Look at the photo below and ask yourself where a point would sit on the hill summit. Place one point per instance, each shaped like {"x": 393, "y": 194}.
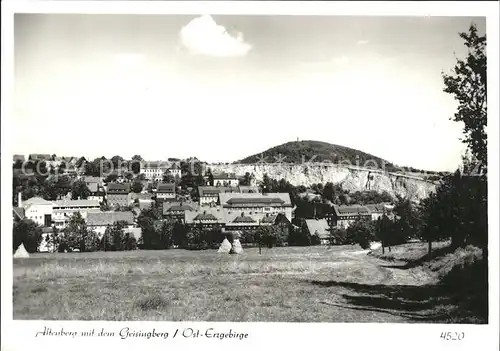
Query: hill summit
{"x": 297, "y": 152}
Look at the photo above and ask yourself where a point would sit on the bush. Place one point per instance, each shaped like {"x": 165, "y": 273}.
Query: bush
{"x": 129, "y": 242}
{"x": 115, "y": 239}
{"x": 248, "y": 237}
{"x": 28, "y": 233}
{"x": 465, "y": 273}
{"x": 299, "y": 237}
{"x": 338, "y": 236}
{"x": 315, "y": 240}
{"x": 92, "y": 242}
{"x": 362, "y": 232}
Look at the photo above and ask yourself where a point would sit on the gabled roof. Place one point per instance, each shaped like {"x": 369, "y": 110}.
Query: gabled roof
{"x": 377, "y": 208}
{"x": 255, "y": 199}
{"x": 351, "y": 210}
{"x": 205, "y": 217}
{"x": 76, "y": 203}
{"x": 45, "y": 157}
{"x": 175, "y": 208}
{"x": 318, "y": 227}
{"x": 268, "y": 219}
{"x": 174, "y": 166}
{"x": 109, "y": 218}
{"x": 169, "y": 207}
{"x": 118, "y": 188}
{"x": 35, "y": 201}
{"x": 90, "y": 179}
{"x": 154, "y": 165}
{"x": 189, "y": 216}
{"x": 18, "y": 212}
{"x": 244, "y": 219}
{"x": 165, "y": 188}
{"x": 215, "y": 190}
{"x": 224, "y": 176}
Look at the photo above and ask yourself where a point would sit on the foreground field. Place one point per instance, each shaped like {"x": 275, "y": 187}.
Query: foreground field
{"x": 310, "y": 284}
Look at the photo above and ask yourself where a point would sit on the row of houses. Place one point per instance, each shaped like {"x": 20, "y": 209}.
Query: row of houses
{"x": 234, "y": 210}
{"x": 46, "y": 158}
{"x": 69, "y": 162}
{"x": 50, "y": 214}
{"x": 157, "y": 169}
{"x": 343, "y": 216}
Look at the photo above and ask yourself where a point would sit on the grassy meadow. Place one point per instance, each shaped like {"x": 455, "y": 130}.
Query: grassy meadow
{"x": 290, "y": 284}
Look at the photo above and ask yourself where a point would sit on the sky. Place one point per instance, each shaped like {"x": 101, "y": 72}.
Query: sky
{"x": 221, "y": 88}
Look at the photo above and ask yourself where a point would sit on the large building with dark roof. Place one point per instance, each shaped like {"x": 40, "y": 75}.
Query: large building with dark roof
{"x": 118, "y": 194}
{"x": 209, "y": 195}
{"x": 63, "y": 210}
{"x": 154, "y": 170}
{"x": 343, "y": 216}
{"x": 225, "y": 179}
{"x": 206, "y": 217}
{"x": 100, "y": 221}
{"x": 165, "y": 191}
{"x": 256, "y": 205}
{"x": 177, "y": 209}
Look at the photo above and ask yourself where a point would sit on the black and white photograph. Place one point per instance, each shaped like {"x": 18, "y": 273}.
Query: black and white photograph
{"x": 250, "y": 168}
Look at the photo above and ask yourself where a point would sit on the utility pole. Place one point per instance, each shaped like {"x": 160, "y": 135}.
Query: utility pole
{"x": 259, "y": 238}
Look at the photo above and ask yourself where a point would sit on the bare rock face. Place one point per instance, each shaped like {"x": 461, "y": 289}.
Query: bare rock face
{"x": 236, "y": 249}
{"x": 225, "y": 246}
{"x": 349, "y": 177}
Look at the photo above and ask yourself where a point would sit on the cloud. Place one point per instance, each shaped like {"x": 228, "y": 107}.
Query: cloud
{"x": 362, "y": 42}
{"x": 203, "y": 36}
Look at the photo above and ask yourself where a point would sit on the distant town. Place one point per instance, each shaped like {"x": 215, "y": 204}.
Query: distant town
{"x": 50, "y": 190}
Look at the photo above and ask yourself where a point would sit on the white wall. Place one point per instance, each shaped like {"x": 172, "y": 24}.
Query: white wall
{"x": 37, "y": 213}
{"x": 165, "y": 195}
{"x": 207, "y": 200}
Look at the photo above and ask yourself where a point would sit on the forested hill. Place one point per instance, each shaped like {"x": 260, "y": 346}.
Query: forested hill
{"x": 297, "y": 152}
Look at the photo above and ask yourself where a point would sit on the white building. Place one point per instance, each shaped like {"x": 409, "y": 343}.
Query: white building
{"x": 225, "y": 179}
{"x": 209, "y": 195}
{"x": 154, "y": 170}
{"x": 165, "y": 191}
{"x": 98, "y": 196}
{"x": 175, "y": 170}
{"x": 63, "y": 210}
{"x": 256, "y": 205}
{"x": 99, "y": 221}
{"x": 38, "y": 210}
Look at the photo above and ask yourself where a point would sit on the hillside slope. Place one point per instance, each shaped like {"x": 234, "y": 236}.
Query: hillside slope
{"x": 350, "y": 178}
{"x": 298, "y": 152}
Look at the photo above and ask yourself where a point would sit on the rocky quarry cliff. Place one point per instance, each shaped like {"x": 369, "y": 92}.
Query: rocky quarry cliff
{"x": 349, "y": 177}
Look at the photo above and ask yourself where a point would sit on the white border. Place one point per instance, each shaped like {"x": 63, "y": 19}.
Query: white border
{"x": 18, "y": 335}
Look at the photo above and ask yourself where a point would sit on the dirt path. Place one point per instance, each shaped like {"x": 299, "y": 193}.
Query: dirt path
{"x": 382, "y": 292}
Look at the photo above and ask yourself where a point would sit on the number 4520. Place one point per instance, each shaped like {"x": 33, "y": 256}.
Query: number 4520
{"x": 452, "y": 336}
